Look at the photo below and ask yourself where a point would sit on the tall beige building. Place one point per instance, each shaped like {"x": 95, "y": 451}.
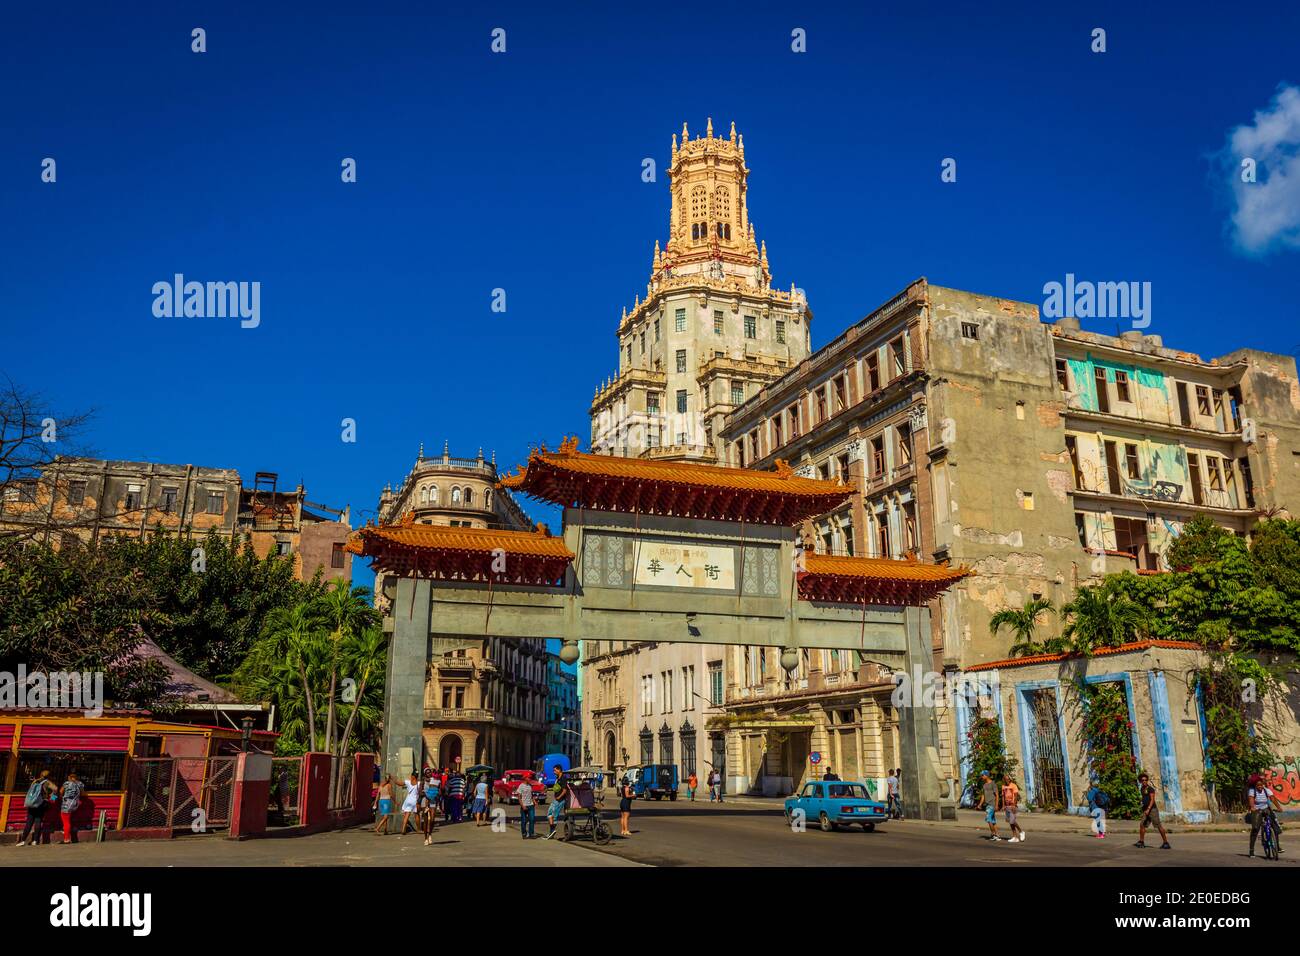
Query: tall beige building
{"x": 709, "y": 334}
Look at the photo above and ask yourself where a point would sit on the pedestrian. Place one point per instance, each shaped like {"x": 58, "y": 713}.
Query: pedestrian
{"x": 989, "y": 802}
{"x": 39, "y": 795}
{"x": 625, "y": 807}
{"x": 384, "y": 805}
{"x": 1261, "y": 801}
{"x": 692, "y": 782}
{"x": 455, "y": 795}
{"x": 830, "y": 774}
{"x": 410, "y": 802}
{"x": 1150, "y": 813}
{"x": 1098, "y": 804}
{"x": 478, "y": 810}
{"x": 1010, "y": 804}
{"x": 710, "y": 781}
{"x": 527, "y": 811}
{"x": 892, "y": 806}
{"x": 432, "y": 794}
{"x": 70, "y": 793}
{"x": 559, "y": 796}
{"x": 281, "y": 791}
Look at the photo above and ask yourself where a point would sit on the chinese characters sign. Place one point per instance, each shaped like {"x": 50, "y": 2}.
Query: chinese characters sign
{"x": 685, "y": 566}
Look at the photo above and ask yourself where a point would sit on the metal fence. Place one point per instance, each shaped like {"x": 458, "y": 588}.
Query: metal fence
{"x": 179, "y": 793}
{"x": 342, "y": 772}
{"x": 285, "y": 809}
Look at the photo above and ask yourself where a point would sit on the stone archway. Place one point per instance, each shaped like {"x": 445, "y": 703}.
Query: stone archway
{"x": 449, "y": 748}
{"x": 611, "y": 750}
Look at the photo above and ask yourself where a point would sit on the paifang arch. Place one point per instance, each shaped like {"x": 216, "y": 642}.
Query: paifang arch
{"x": 655, "y": 551}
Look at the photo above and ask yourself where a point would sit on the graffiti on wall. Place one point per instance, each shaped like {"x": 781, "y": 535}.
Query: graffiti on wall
{"x": 1284, "y": 780}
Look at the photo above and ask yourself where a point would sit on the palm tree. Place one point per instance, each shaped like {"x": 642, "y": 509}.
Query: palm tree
{"x": 1022, "y": 623}
{"x": 291, "y": 637}
{"x": 347, "y": 613}
{"x": 364, "y": 656}
{"x": 1103, "y": 616}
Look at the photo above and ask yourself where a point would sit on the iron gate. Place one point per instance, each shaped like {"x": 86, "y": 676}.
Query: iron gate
{"x": 286, "y": 790}
{"x": 180, "y": 793}
{"x": 1047, "y": 757}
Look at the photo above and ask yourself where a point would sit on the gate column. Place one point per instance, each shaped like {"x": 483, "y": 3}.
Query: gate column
{"x": 918, "y": 737}
{"x": 251, "y": 795}
{"x": 408, "y": 661}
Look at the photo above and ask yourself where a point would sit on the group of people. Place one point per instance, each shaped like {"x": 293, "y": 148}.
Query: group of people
{"x": 441, "y": 792}
{"x": 40, "y": 795}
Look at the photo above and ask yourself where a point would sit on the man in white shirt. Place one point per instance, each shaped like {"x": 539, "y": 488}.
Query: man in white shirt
{"x": 527, "y": 811}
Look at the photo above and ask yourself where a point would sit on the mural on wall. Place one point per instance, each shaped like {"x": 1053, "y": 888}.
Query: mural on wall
{"x": 1148, "y": 391}
{"x": 1162, "y": 472}
{"x": 1284, "y": 780}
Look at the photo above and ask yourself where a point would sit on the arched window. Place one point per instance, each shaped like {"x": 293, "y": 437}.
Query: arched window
{"x": 699, "y": 203}
{"x": 722, "y": 204}
{"x": 695, "y": 230}
{"x": 469, "y": 496}
{"x": 424, "y": 495}
{"x": 455, "y": 496}
{"x": 433, "y": 494}
{"x": 487, "y": 499}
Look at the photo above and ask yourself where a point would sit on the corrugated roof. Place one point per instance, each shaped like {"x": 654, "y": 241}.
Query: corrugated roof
{"x": 1100, "y": 652}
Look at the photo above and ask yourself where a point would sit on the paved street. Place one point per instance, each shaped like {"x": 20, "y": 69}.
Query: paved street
{"x": 738, "y": 833}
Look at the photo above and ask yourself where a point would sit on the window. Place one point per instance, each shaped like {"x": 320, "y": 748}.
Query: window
{"x": 76, "y": 493}
{"x": 688, "y": 687}
{"x": 133, "y": 498}
{"x": 751, "y": 327}
{"x": 905, "y": 444}
{"x": 1215, "y": 472}
{"x": 98, "y": 771}
{"x": 819, "y": 403}
{"x": 629, "y": 351}
{"x": 680, "y": 320}
{"x": 455, "y": 496}
{"x": 1072, "y": 446}
{"x": 665, "y": 744}
{"x": 1063, "y": 375}
{"x": 667, "y": 682}
{"x": 1131, "y": 461}
{"x": 877, "y": 456}
{"x": 1103, "y": 389}
{"x": 737, "y": 392}
{"x": 688, "y": 749}
{"x": 656, "y": 330}
{"x": 643, "y": 343}
{"x": 841, "y": 393}
{"x": 27, "y": 490}
{"x": 715, "y": 683}
{"x": 970, "y": 330}
{"x": 717, "y": 322}
{"x": 681, "y": 401}
{"x": 1202, "y": 399}
{"x": 900, "y": 360}
{"x": 780, "y": 331}
{"x": 168, "y": 502}
{"x": 336, "y": 555}
{"x": 1194, "y": 473}
{"x": 1248, "y": 485}
{"x": 652, "y": 403}
{"x": 753, "y": 445}
{"x": 433, "y": 495}
{"x": 681, "y": 360}
{"x": 469, "y": 496}
{"x": 647, "y": 746}
{"x": 1131, "y": 538}
{"x": 793, "y": 412}
{"x": 283, "y": 548}
{"x": 909, "y": 527}
{"x": 1112, "y": 469}
{"x": 777, "y": 441}
{"x": 1121, "y": 385}
{"x": 1081, "y": 529}
{"x": 873, "y": 372}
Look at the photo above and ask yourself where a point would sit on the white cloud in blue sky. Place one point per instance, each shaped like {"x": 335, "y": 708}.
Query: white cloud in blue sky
{"x": 1266, "y": 213}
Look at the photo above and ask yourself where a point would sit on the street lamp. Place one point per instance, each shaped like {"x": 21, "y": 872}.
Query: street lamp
{"x": 247, "y": 723}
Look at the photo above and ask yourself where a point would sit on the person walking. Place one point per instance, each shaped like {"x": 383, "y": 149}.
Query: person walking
{"x": 692, "y": 782}
{"x": 39, "y": 796}
{"x": 559, "y": 797}
{"x": 1098, "y": 804}
{"x": 384, "y": 805}
{"x": 1150, "y": 814}
{"x": 1261, "y": 800}
{"x": 455, "y": 795}
{"x": 989, "y": 803}
{"x": 830, "y": 774}
{"x": 1010, "y": 804}
{"x": 432, "y": 796}
{"x": 527, "y": 809}
{"x": 892, "y": 806}
{"x": 410, "y": 802}
{"x": 478, "y": 810}
{"x": 625, "y": 808}
{"x": 70, "y": 794}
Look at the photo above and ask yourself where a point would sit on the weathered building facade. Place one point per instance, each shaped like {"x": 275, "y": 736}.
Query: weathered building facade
{"x": 1039, "y": 456}
{"x": 83, "y": 499}
{"x": 563, "y": 716}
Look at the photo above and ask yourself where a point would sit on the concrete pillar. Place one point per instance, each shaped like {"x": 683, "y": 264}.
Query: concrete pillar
{"x": 315, "y": 790}
{"x": 251, "y": 797}
{"x": 408, "y": 660}
{"x": 918, "y": 739}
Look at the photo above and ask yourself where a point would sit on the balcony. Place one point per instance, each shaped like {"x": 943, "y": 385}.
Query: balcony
{"x": 671, "y": 452}
{"x": 458, "y": 714}
{"x": 450, "y": 662}
{"x": 1077, "y": 412}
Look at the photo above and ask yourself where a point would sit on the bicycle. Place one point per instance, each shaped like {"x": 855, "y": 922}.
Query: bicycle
{"x": 1268, "y": 837}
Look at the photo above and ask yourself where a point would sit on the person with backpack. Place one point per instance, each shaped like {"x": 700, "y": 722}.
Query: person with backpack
{"x": 70, "y": 794}
{"x": 1098, "y": 804}
{"x": 39, "y": 796}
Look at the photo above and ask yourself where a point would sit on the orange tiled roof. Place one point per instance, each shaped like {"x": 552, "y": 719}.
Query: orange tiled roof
{"x": 1100, "y": 652}
{"x": 572, "y": 478}
{"x": 440, "y": 551}
{"x": 843, "y": 579}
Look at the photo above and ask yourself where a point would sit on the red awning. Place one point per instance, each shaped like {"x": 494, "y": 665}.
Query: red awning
{"x": 6, "y": 736}
{"x": 76, "y": 737}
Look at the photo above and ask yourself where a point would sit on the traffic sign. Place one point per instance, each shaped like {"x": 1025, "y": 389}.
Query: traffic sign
{"x": 815, "y": 757}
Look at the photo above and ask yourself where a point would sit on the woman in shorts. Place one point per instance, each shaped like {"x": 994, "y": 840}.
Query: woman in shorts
{"x": 384, "y": 804}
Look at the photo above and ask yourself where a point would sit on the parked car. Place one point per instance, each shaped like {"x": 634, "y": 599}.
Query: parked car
{"x": 655, "y": 780}
{"x": 836, "y": 803}
{"x": 504, "y": 789}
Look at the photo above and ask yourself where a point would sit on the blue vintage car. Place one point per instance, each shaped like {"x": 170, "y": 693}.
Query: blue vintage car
{"x": 831, "y": 803}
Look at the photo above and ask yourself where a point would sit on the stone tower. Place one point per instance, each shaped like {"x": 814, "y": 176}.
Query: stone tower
{"x": 710, "y": 330}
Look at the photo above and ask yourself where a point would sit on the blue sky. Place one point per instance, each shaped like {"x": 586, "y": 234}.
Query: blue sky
{"x": 522, "y": 171}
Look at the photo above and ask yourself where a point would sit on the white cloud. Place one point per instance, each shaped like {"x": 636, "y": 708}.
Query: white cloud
{"x": 1266, "y": 213}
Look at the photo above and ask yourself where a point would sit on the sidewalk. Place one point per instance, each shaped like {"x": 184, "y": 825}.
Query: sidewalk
{"x": 1048, "y": 822}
